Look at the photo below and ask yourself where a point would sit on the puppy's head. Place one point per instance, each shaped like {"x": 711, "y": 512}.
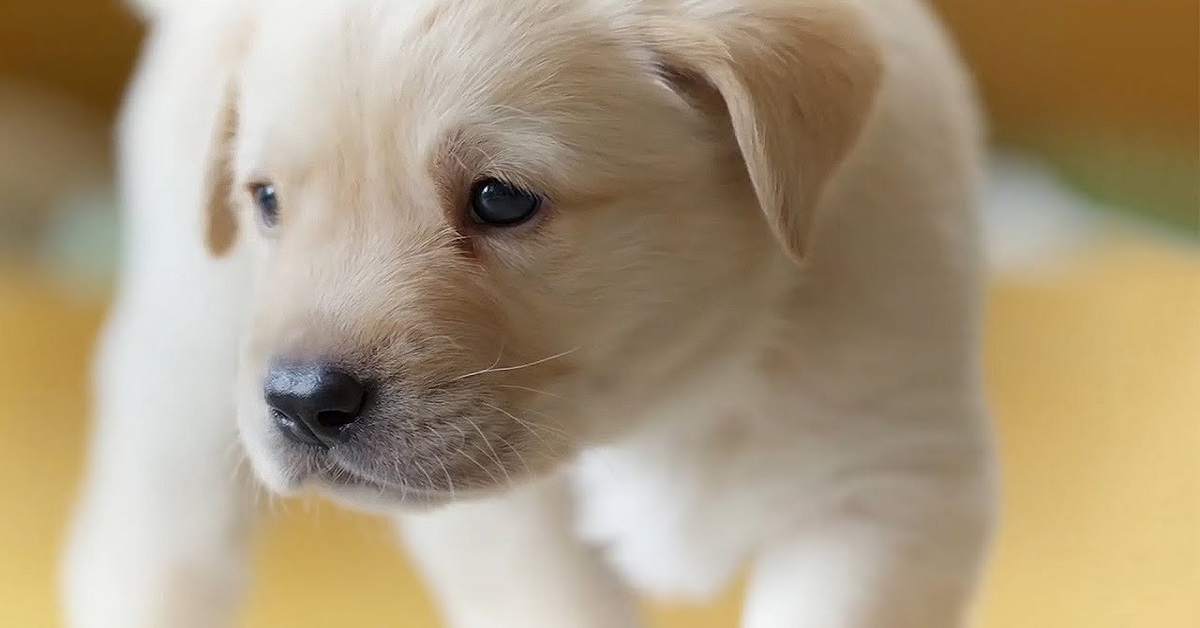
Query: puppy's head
{"x": 477, "y": 221}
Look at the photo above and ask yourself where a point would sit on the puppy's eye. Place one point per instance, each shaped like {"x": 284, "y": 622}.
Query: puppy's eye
{"x": 266, "y": 199}
{"x": 501, "y": 204}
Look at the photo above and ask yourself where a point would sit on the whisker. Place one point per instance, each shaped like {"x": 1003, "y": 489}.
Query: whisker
{"x": 531, "y": 427}
{"x": 524, "y": 424}
{"x": 462, "y": 441}
{"x": 398, "y": 473}
{"x": 504, "y": 443}
{"x": 551, "y": 428}
{"x": 482, "y": 371}
{"x": 495, "y": 455}
{"x": 449, "y": 480}
{"x": 428, "y": 478}
{"x": 492, "y": 476}
{"x": 494, "y": 369}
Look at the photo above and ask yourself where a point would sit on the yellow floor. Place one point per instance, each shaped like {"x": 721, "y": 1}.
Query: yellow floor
{"x": 1096, "y": 378}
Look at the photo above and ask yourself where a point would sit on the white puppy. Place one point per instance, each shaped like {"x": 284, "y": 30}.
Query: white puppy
{"x": 695, "y": 282}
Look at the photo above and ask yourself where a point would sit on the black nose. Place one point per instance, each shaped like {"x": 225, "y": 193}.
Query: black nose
{"x": 312, "y": 402}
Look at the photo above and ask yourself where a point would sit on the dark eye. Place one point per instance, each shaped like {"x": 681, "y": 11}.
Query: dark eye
{"x": 497, "y": 203}
{"x": 267, "y": 201}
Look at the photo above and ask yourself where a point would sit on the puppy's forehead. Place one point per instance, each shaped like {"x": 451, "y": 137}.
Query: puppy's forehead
{"x": 416, "y": 67}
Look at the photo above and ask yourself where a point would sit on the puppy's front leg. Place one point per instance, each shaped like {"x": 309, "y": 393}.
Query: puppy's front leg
{"x": 854, "y": 572}
{"x": 159, "y": 528}
{"x": 514, "y": 562}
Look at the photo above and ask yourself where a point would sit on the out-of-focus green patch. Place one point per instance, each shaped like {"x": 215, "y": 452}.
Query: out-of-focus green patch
{"x": 1148, "y": 179}
{"x": 75, "y": 244}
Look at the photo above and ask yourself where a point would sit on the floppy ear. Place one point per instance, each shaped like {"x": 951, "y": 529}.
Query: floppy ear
{"x": 798, "y": 79}
{"x": 220, "y": 223}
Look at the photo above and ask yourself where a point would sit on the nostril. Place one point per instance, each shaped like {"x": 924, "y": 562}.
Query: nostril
{"x": 335, "y": 419}
{"x": 313, "y": 402}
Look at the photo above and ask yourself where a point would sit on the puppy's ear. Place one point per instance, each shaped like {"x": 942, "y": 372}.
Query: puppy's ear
{"x": 220, "y": 223}
{"x": 798, "y": 79}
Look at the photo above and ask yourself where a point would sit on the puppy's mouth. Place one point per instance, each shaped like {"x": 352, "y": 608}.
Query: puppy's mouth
{"x": 315, "y": 467}
{"x": 387, "y": 463}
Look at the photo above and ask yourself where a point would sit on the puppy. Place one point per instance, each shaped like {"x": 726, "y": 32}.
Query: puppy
{"x": 693, "y": 282}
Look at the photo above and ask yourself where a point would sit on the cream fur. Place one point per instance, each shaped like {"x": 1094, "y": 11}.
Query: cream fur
{"x": 743, "y": 333}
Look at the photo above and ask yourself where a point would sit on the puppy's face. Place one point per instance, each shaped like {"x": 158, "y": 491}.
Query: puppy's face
{"x": 475, "y": 221}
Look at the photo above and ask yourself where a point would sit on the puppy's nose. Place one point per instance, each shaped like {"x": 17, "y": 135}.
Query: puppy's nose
{"x": 313, "y": 402}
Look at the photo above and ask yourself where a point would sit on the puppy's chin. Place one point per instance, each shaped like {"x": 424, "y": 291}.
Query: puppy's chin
{"x": 288, "y": 470}
{"x": 382, "y": 500}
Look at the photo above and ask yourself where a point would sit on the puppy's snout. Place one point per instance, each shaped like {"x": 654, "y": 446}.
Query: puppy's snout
{"x": 313, "y": 403}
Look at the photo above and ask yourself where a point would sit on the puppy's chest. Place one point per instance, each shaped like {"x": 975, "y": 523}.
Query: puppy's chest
{"x": 679, "y": 508}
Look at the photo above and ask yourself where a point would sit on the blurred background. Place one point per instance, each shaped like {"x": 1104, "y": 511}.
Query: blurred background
{"x": 1093, "y": 330}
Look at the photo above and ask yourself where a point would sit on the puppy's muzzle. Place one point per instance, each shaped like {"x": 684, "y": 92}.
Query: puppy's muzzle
{"x": 313, "y": 403}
